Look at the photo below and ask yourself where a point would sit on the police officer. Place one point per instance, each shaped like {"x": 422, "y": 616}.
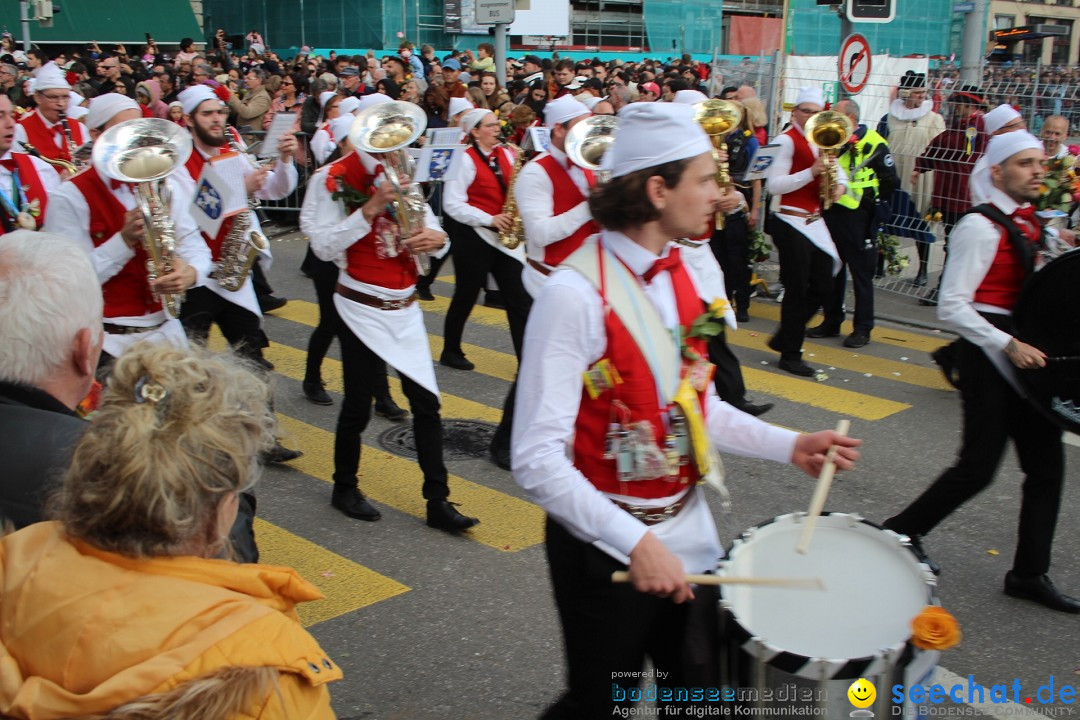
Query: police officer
{"x": 853, "y": 222}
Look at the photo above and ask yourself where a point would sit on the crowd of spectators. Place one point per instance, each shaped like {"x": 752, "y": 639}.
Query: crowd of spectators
{"x": 1035, "y": 91}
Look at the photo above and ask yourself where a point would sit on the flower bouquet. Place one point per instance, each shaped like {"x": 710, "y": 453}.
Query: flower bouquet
{"x": 1061, "y": 186}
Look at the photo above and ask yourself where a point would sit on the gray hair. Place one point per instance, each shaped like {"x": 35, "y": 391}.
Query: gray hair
{"x": 49, "y": 291}
{"x": 11, "y": 69}
{"x": 847, "y": 107}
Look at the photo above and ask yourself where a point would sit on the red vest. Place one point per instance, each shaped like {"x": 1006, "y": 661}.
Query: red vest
{"x": 485, "y": 192}
{"x": 1001, "y": 285}
{"x": 566, "y": 196}
{"x": 29, "y": 179}
{"x": 127, "y": 293}
{"x": 44, "y": 139}
{"x": 638, "y": 393}
{"x": 808, "y": 197}
{"x": 364, "y": 262}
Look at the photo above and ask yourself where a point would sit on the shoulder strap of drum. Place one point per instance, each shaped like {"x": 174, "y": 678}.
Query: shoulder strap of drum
{"x": 1021, "y": 245}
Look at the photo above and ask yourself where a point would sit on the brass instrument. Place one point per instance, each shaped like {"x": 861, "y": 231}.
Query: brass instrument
{"x": 385, "y": 130}
{"x": 513, "y": 237}
{"x": 69, "y": 168}
{"x": 829, "y": 131}
{"x": 588, "y": 140}
{"x": 718, "y": 118}
{"x": 145, "y": 152}
{"x": 241, "y": 246}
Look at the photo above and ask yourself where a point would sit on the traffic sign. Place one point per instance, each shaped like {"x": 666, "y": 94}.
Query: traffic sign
{"x": 963, "y": 7}
{"x": 853, "y": 63}
{"x": 494, "y": 12}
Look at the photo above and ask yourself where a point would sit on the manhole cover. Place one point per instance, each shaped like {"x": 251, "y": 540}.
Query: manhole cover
{"x": 462, "y": 439}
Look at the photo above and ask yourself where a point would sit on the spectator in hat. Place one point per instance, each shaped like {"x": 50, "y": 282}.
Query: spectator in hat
{"x": 648, "y": 92}
{"x": 451, "y": 72}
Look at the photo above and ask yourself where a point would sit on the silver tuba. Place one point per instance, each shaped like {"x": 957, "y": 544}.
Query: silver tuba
{"x": 385, "y": 130}
{"x": 145, "y": 152}
{"x": 588, "y": 140}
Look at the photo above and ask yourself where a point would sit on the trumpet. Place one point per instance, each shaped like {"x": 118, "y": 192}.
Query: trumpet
{"x": 829, "y": 131}
{"x": 588, "y": 140}
{"x": 145, "y": 152}
{"x": 718, "y": 118}
{"x": 386, "y": 130}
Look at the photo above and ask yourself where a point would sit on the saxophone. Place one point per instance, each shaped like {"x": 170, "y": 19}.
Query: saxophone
{"x": 241, "y": 246}
{"x": 513, "y": 237}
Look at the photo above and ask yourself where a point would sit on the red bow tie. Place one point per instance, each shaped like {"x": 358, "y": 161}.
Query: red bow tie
{"x": 116, "y": 184}
{"x": 58, "y": 129}
{"x": 672, "y": 261}
{"x": 9, "y": 164}
{"x": 1025, "y": 213}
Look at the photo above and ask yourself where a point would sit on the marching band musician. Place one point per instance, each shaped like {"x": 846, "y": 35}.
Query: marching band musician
{"x": 808, "y": 258}
{"x": 376, "y": 299}
{"x": 43, "y": 128}
{"x": 25, "y": 181}
{"x": 602, "y": 375}
{"x": 101, "y": 214}
{"x": 553, "y": 198}
{"x": 322, "y": 143}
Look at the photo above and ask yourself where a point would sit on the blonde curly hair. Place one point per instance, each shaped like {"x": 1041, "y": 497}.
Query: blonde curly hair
{"x": 177, "y": 431}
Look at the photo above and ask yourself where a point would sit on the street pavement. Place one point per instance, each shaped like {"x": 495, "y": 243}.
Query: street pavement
{"x": 428, "y": 625}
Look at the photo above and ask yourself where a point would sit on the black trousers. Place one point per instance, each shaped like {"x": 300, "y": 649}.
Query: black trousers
{"x": 474, "y": 259}
{"x": 362, "y": 368}
{"x": 806, "y": 274}
{"x": 203, "y": 307}
{"x": 727, "y": 377}
{"x": 854, "y": 233}
{"x": 731, "y": 246}
{"x": 609, "y": 628}
{"x": 993, "y": 413}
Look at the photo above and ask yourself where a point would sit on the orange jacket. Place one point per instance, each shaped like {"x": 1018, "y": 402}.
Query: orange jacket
{"x": 83, "y": 630}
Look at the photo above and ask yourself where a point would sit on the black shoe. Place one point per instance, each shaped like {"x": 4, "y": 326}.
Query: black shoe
{"x": 930, "y": 299}
{"x": 822, "y": 331}
{"x": 455, "y": 360}
{"x": 796, "y": 367}
{"x": 915, "y": 542}
{"x": 316, "y": 393}
{"x": 493, "y": 299}
{"x": 424, "y": 293}
{"x": 279, "y": 454}
{"x": 442, "y": 515}
{"x": 264, "y": 362}
{"x": 351, "y": 502}
{"x": 742, "y": 316}
{"x": 945, "y": 357}
{"x": 856, "y": 340}
{"x": 919, "y": 280}
{"x": 1039, "y": 589}
{"x": 387, "y": 408}
{"x": 270, "y": 303}
{"x": 752, "y": 408}
{"x": 500, "y": 456}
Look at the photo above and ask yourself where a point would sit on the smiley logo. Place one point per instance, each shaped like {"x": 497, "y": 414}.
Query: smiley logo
{"x": 861, "y": 693}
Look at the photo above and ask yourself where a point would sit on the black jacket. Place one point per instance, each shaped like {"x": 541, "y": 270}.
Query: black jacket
{"x": 37, "y": 434}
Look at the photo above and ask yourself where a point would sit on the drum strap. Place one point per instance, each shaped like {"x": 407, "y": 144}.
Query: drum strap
{"x": 1023, "y": 246}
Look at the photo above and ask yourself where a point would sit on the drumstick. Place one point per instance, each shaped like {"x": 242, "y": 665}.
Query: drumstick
{"x": 623, "y": 576}
{"x": 817, "y": 502}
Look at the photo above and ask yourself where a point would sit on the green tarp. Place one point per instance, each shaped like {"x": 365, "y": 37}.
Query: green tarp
{"x": 108, "y": 21}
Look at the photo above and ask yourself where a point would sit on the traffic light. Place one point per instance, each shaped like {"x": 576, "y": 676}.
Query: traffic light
{"x": 871, "y": 11}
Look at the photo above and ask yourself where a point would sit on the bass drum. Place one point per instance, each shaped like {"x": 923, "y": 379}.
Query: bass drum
{"x": 1047, "y": 316}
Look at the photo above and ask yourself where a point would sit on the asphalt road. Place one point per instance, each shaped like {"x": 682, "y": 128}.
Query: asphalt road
{"x": 426, "y": 625}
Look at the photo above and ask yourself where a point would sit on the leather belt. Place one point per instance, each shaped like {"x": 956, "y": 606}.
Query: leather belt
{"x": 810, "y": 217}
{"x": 656, "y": 515}
{"x": 371, "y": 301}
{"x": 129, "y": 329}
{"x": 539, "y": 267}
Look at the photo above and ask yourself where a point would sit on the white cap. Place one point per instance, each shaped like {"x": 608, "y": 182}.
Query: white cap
{"x": 1002, "y": 147}
{"x": 105, "y": 107}
{"x": 75, "y": 100}
{"x": 473, "y": 118}
{"x": 50, "y": 77}
{"x": 689, "y": 97}
{"x": 999, "y": 117}
{"x": 811, "y": 96}
{"x": 563, "y": 110}
{"x": 652, "y": 134}
{"x": 324, "y": 97}
{"x": 194, "y": 96}
{"x": 587, "y": 100}
{"x": 458, "y": 105}
{"x": 349, "y": 105}
{"x": 373, "y": 100}
{"x": 340, "y": 126}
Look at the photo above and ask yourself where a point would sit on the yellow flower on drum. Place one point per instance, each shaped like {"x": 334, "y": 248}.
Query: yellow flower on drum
{"x": 935, "y": 629}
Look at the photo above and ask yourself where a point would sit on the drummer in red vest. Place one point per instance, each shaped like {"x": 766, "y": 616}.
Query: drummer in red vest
{"x": 25, "y": 181}
{"x": 608, "y": 403}
{"x": 808, "y": 258}
{"x": 100, "y": 214}
{"x": 47, "y": 129}
{"x": 346, "y": 215}
{"x": 992, "y": 251}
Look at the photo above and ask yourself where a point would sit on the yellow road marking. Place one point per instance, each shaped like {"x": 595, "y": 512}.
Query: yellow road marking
{"x": 925, "y": 342}
{"x": 347, "y": 586}
{"x": 506, "y": 522}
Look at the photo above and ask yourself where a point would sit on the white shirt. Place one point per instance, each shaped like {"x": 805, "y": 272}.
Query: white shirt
{"x": 321, "y": 146}
{"x": 20, "y": 135}
{"x": 564, "y": 337}
{"x": 50, "y": 180}
{"x": 456, "y": 204}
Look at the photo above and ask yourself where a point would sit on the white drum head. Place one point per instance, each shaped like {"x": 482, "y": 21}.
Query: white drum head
{"x": 874, "y": 588}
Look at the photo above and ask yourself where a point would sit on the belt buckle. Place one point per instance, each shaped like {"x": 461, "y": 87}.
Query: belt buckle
{"x": 395, "y": 304}
{"x": 813, "y": 217}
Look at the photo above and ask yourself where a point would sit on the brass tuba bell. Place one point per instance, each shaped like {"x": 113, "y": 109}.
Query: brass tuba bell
{"x": 588, "y": 140}
{"x": 829, "y": 131}
{"x": 718, "y": 118}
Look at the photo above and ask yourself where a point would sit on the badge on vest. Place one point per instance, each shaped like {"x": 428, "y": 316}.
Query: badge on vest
{"x": 637, "y": 454}
{"x": 600, "y": 378}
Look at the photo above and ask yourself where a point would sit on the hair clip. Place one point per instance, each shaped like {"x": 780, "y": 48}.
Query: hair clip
{"x": 147, "y": 389}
